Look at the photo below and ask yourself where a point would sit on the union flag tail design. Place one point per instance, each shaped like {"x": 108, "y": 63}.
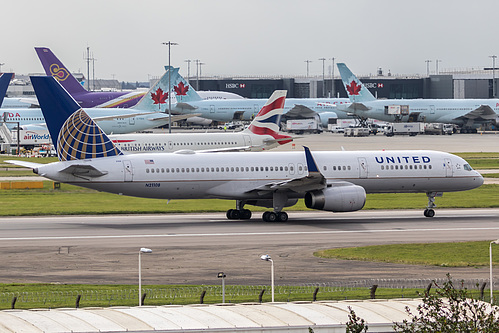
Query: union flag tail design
{"x": 267, "y": 120}
{"x": 356, "y": 91}
{"x": 74, "y": 134}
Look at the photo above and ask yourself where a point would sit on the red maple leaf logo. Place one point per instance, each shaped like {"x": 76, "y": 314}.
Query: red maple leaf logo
{"x": 181, "y": 89}
{"x": 353, "y": 88}
{"x": 159, "y": 97}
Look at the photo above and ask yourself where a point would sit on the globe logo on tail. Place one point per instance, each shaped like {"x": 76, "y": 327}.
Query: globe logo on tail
{"x": 81, "y": 138}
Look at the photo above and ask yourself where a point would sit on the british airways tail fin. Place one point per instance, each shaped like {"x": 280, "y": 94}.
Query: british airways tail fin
{"x": 356, "y": 91}
{"x": 74, "y": 134}
{"x": 184, "y": 92}
{"x": 4, "y": 85}
{"x": 268, "y": 118}
{"x": 54, "y": 67}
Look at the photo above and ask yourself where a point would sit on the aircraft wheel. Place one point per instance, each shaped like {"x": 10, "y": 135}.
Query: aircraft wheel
{"x": 229, "y": 214}
{"x": 269, "y": 217}
{"x": 235, "y": 214}
{"x": 282, "y": 217}
{"x": 245, "y": 214}
{"x": 429, "y": 212}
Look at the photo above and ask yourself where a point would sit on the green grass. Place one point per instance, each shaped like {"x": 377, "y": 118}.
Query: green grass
{"x": 456, "y": 254}
{"x": 490, "y": 175}
{"x": 31, "y": 296}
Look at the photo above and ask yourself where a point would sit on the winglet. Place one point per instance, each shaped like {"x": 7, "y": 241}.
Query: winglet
{"x": 74, "y": 134}
{"x": 311, "y": 165}
{"x": 4, "y": 85}
{"x": 356, "y": 91}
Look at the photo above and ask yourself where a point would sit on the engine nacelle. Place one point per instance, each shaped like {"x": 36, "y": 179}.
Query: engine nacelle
{"x": 337, "y": 199}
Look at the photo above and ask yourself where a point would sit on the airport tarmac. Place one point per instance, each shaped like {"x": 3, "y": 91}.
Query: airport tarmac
{"x": 193, "y": 248}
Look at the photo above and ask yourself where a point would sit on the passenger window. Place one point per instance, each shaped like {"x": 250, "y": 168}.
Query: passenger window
{"x": 147, "y": 170}
{"x": 152, "y": 170}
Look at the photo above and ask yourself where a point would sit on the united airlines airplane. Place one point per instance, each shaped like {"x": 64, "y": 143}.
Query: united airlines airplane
{"x": 469, "y": 114}
{"x": 188, "y": 101}
{"x": 327, "y": 180}
{"x": 262, "y": 134}
{"x": 148, "y": 113}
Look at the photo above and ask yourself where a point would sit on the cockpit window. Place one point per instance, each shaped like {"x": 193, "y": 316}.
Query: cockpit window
{"x": 467, "y": 167}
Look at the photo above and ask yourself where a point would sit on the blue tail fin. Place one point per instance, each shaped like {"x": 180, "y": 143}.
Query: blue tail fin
{"x": 4, "y": 85}
{"x": 356, "y": 91}
{"x": 74, "y": 134}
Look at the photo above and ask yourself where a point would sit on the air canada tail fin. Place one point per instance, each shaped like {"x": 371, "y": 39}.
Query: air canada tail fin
{"x": 54, "y": 67}
{"x": 268, "y": 118}
{"x": 4, "y": 85}
{"x": 184, "y": 92}
{"x": 156, "y": 99}
{"x": 74, "y": 134}
{"x": 356, "y": 91}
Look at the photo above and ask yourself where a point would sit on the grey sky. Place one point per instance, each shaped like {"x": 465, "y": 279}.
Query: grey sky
{"x": 253, "y": 37}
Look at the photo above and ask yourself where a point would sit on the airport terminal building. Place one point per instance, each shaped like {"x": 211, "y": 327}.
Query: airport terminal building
{"x": 455, "y": 84}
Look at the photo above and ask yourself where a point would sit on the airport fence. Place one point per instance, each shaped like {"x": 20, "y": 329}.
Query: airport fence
{"x": 363, "y": 289}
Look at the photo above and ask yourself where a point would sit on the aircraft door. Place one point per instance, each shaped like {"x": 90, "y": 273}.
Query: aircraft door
{"x": 212, "y": 108}
{"x": 363, "y": 169}
{"x": 432, "y": 109}
{"x": 291, "y": 168}
{"x": 127, "y": 171}
{"x": 170, "y": 145}
{"x": 247, "y": 140}
{"x": 448, "y": 168}
{"x": 131, "y": 120}
{"x": 300, "y": 168}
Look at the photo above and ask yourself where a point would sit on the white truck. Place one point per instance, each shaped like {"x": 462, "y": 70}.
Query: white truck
{"x": 410, "y": 129}
{"x": 31, "y": 138}
{"x": 300, "y": 126}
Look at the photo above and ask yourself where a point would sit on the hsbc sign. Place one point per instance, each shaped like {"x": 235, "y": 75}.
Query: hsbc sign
{"x": 235, "y": 85}
{"x": 374, "y": 85}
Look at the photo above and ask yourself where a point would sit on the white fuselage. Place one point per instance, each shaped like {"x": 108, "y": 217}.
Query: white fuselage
{"x": 427, "y": 110}
{"x": 247, "y": 109}
{"x": 242, "y": 175}
{"x": 171, "y": 142}
{"x": 118, "y": 125}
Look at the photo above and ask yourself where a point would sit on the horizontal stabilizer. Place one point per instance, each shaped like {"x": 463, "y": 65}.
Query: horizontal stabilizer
{"x": 185, "y": 106}
{"x": 30, "y": 165}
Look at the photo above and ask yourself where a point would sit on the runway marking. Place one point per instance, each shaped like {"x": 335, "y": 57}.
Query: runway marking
{"x": 243, "y": 234}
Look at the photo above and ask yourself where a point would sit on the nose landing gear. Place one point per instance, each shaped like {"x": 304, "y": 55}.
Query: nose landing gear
{"x": 429, "y": 212}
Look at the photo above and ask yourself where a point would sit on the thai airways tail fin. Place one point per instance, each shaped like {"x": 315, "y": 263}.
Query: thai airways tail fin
{"x": 54, "y": 67}
{"x": 184, "y": 92}
{"x": 4, "y": 85}
{"x": 268, "y": 118}
{"x": 74, "y": 134}
{"x": 356, "y": 91}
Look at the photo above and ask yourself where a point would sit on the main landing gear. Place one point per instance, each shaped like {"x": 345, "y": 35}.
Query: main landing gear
{"x": 277, "y": 215}
{"x": 429, "y": 212}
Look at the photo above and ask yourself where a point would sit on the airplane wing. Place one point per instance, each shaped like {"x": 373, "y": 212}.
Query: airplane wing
{"x": 484, "y": 112}
{"x": 176, "y": 117}
{"x": 121, "y": 116}
{"x": 300, "y": 111}
{"x": 83, "y": 170}
{"x": 160, "y": 116}
{"x": 185, "y": 106}
{"x": 352, "y": 107}
{"x": 314, "y": 180}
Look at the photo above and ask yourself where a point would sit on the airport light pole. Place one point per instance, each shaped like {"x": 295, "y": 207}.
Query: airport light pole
{"x": 197, "y": 61}
{"x": 491, "y": 281}
{"x": 222, "y": 276}
{"x": 188, "y": 61}
{"x": 323, "y": 78}
{"x": 332, "y": 78}
{"x": 142, "y": 250}
{"x": 436, "y": 65}
{"x": 427, "y": 67}
{"x": 493, "y": 75}
{"x": 266, "y": 257}
{"x": 308, "y": 62}
{"x": 169, "y": 43}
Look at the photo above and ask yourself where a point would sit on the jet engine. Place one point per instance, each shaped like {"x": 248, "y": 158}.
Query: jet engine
{"x": 347, "y": 198}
